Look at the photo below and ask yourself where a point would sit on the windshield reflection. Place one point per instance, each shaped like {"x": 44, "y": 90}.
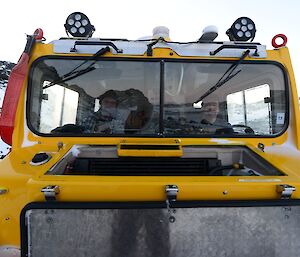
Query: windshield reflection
{"x": 123, "y": 98}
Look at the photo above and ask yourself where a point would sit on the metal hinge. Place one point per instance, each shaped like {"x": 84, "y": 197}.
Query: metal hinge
{"x": 171, "y": 195}
{"x": 286, "y": 191}
{"x": 50, "y": 192}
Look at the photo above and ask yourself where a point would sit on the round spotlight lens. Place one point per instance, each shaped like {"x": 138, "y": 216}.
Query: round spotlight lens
{"x": 237, "y": 26}
{"x": 250, "y": 26}
{"x": 248, "y": 34}
{"x": 81, "y": 30}
{"x": 77, "y": 17}
{"x": 84, "y": 22}
{"x": 73, "y": 30}
{"x": 240, "y": 34}
{"x": 244, "y": 21}
{"x": 244, "y": 28}
{"x": 77, "y": 24}
{"x": 71, "y": 22}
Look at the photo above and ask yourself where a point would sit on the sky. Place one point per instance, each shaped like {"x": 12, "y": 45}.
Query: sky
{"x": 133, "y": 19}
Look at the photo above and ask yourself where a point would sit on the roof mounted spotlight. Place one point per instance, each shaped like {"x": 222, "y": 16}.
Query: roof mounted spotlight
{"x": 78, "y": 25}
{"x": 243, "y": 29}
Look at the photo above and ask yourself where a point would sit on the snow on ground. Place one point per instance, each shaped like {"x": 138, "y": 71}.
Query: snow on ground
{"x": 4, "y": 149}
{"x": 5, "y": 70}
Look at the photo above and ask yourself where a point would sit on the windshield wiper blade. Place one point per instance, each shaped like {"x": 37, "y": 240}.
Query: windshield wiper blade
{"x": 74, "y": 73}
{"x": 94, "y": 57}
{"x": 228, "y": 75}
{"x": 72, "y": 76}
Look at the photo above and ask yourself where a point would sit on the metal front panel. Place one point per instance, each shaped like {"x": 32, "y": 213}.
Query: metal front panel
{"x": 224, "y": 231}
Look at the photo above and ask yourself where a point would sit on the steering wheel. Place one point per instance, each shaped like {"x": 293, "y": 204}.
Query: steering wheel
{"x": 247, "y": 129}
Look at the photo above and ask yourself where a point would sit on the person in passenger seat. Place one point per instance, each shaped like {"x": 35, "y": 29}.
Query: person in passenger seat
{"x": 138, "y": 119}
{"x": 210, "y": 120}
{"x": 140, "y": 110}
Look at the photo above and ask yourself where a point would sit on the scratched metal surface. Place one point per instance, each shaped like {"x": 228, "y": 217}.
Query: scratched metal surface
{"x": 230, "y": 231}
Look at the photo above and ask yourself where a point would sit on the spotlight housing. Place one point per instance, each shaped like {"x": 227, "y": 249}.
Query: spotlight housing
{"x": 79, "y": 25}
{"x": 243, "y": 29}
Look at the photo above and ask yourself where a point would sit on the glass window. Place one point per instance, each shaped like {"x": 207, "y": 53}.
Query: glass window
{"x": 115, "y": 97}
{"x": 251, "y": 108}
{"x": 251, "y": 102}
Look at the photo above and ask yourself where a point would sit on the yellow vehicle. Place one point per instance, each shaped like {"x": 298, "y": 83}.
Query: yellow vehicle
{"x": 151, "y": 147}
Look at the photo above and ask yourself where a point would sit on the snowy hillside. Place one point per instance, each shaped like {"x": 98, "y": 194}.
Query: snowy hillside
{"x": 5, "y": 70}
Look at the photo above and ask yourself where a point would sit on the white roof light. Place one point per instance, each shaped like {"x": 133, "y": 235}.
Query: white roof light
{"x": 209, "y": 34}
{"x": 161, "y": 31}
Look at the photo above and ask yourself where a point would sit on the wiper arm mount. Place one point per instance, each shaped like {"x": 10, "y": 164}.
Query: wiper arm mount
{"x": 75, "y": 72}
{"x": 228, "y": 75}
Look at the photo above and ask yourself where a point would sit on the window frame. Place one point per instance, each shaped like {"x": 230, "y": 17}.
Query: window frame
{"x": 162, "y": 62}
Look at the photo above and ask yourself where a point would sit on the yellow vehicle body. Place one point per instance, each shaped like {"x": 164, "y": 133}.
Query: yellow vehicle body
{"x": 21, "y": 182}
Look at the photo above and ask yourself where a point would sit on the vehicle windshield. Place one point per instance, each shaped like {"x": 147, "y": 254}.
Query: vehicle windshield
{"x": 138, "y": 97}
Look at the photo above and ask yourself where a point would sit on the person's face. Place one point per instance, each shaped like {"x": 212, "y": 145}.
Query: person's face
{"x": 108, "y": 107}
{"x": 109, "y": 102}
{"x": 210, "y": 109}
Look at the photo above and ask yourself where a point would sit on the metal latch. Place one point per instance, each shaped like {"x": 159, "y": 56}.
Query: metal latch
{"x": 50, "y": 192}
{"x": 171, "y": 194}
{"x": 286, "y": 191}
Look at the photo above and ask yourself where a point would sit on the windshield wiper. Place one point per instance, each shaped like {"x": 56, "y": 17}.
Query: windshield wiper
{"x": 228, "y": 75}
{"x": 74, "y": 73}
{"x": 72, "y": 76}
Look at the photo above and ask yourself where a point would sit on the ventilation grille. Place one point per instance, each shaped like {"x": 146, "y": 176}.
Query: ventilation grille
{"x": 141, "y": 166}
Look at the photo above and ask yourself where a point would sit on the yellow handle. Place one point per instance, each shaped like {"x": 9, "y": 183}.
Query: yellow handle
{"x": 150, "y": 149}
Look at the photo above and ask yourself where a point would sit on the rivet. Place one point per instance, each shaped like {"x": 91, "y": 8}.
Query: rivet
{"x": 172, "y": 219}
{"x": 261, "y": 146}
{"x": 60, "y": 145}
{"x": 225, "y": 192}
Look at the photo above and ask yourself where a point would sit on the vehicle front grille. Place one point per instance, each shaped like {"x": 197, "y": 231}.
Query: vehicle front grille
{"x": 143, "y": 166}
